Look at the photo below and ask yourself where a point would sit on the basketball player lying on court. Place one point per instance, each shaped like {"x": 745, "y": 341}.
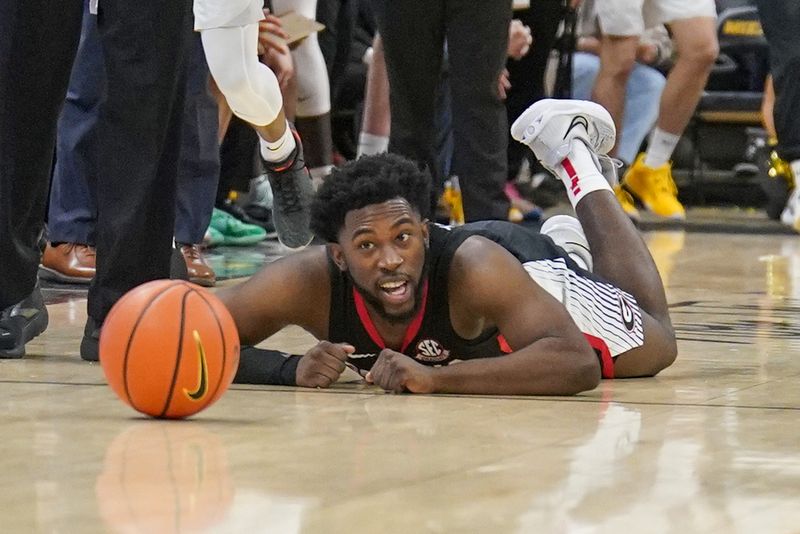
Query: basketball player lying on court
{"x": 403, "y": 299}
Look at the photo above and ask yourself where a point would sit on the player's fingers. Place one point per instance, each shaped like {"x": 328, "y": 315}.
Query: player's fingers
{"x": 332, "y": 362}
{"x": 394, "y": 381}
{"x": 341, "y": 350}
{"x": 376, "y": 374}
{"x": 324, "y": 377}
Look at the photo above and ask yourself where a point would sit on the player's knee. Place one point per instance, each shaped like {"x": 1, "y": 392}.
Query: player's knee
{"x": 664, "y": 351}
{"x": 312, "y": 79}
{"x": 251, "y": 97}
{"x": 588, "y": 376}
{"x": 669, "y": 353}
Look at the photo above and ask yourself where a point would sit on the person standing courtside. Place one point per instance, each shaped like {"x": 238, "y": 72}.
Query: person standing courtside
{"x": 781, "y": 23}
{"x": 145, "y": 47}
{"x": 692, "y": 25}
{"x": 414, "y": 34}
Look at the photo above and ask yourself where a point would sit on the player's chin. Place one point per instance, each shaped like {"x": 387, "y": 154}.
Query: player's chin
{"x": 400, "y": 312}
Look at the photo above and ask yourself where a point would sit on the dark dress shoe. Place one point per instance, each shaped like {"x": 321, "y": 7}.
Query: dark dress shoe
{"x": 21, "y": 323}
{"x": 71, "y": 263}
{"x": 200, "y": 272}
{"x": 90, "y": 344}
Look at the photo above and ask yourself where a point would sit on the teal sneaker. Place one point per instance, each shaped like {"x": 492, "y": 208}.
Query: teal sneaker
{"x": 234, "y": 231}
{"x": 213, "y": 238}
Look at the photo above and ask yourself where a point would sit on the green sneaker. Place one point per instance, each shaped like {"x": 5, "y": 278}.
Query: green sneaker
{"x": 234, "y": 231}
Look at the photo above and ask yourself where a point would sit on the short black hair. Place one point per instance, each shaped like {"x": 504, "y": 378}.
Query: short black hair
{"x": 365, "y": 181}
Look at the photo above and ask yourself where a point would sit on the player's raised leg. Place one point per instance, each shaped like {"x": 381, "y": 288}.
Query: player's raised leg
{"x": 253, "y": 93}
{"x": 566, "y": 137}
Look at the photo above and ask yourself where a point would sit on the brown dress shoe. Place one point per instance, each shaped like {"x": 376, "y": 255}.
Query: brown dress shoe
{"x": 72, "y": 263}
{"x": 200, "y": 272}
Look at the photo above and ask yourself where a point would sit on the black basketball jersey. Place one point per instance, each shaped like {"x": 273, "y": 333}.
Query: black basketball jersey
{"x": 430, "y": 338}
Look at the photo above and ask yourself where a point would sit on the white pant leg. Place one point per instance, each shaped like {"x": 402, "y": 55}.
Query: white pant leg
{"x": 313, "y": 86}
{"x": 250, "y": 87}
{"x": 220, "y": 13}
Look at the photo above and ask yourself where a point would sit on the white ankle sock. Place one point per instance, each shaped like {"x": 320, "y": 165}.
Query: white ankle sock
{"x": 795, "y": 165}
{"x": 580, "y": 173}
{"x": 278, "y": 151}
{"x": 369, "y": 144}
{"x": 662, "y": 145}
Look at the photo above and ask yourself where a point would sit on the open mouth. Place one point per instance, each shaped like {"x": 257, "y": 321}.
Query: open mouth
{"x": 395, "y": 290}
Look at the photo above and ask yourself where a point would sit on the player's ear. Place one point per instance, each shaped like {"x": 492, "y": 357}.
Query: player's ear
{"x": 338, "y": 256}
{"x": 425, "y": 233}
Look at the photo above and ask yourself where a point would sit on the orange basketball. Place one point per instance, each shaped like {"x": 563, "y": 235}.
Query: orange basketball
{"x": 169, "y": 348}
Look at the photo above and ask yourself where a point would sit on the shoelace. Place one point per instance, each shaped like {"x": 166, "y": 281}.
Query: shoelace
{"x": 190, "y": 252}
{"x": 665, "y": 183}
{"x": 287, "y": 193}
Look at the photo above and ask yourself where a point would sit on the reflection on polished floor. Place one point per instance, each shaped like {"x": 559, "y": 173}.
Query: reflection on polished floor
{"x": 711, "y": 445}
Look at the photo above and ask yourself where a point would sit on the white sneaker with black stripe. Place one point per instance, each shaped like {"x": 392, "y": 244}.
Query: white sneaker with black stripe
{"x": 549, "y": 126}
{"x": 567, "y": 233}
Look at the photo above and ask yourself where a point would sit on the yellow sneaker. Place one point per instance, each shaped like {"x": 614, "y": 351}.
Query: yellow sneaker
{"x": 626, "y": 201}
{"x": 780, "y": 169}
{"x": 655, "y": 188}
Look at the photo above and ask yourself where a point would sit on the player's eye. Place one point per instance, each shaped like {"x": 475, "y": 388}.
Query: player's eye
{"x": 404, "y": 236}
{"x": 365, "y": 245}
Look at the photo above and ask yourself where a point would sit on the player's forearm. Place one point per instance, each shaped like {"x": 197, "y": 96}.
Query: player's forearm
{"x": 266, "y": 367}
{"x": 548, "y": 367}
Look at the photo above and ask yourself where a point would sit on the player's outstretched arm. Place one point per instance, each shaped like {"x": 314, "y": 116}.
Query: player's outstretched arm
{"x": 292, "y": 290}
{"x": 551, "y": 356}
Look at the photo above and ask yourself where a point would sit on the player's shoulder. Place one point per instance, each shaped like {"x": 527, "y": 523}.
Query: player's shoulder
{"x": 310, "y": 263}
{"x": 477, "y": 255}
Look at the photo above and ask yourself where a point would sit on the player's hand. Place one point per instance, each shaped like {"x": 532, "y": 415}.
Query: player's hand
{"x": 519, "y": 39}
{"x": 397, "y": 372}
{"x": 322, "y": 364}
{"x": 268, "y": 29}
{"x": 647, "y": 53}
{"x": 503, "y": 84}
{"x": 281, "y": 64}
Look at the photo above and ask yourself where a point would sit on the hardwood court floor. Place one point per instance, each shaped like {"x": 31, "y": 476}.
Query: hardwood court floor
{"x": 711, "y": 445}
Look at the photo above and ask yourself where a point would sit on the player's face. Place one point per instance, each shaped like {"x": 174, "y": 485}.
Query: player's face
{"x": 382, "y": 247}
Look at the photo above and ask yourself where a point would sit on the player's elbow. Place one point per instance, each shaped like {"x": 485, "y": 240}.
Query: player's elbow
{"x": 586, "y": 372}
{"x": 667, "y": 353}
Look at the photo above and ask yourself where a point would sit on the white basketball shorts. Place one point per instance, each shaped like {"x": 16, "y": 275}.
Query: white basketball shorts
{"x": 632, "y": 17}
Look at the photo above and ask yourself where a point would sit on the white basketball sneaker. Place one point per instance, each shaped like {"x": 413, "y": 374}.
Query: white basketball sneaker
{"x": 549, "y": 126}
{"x": 567, "y": 233}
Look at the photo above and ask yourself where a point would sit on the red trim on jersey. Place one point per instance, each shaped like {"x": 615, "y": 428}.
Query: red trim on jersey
{"x": 411, "y": 331}
{"x": 574, "y": 186}
{"x": 504, "y": 346}
{"x": 606, "y": 361}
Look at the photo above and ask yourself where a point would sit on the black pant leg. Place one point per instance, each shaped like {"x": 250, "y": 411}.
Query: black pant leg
{"x": 781, "y": 23}
{"x": 198, "y": 171}
{"x": 145, "y": 46}
{"x": 527, "y": 74}
{"x": 413, "y": 40}
{"x": 477, "y": 37}
{"x": 38, "y": 40}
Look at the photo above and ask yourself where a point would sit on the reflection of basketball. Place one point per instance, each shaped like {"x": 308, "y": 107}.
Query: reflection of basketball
{"x": 169, "y": 348}
{"x": 165, "y": 477}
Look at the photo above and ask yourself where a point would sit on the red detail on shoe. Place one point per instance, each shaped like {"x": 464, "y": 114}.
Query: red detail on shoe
{"x": 288, "y": 162}
{"x": 574, "y": 186}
